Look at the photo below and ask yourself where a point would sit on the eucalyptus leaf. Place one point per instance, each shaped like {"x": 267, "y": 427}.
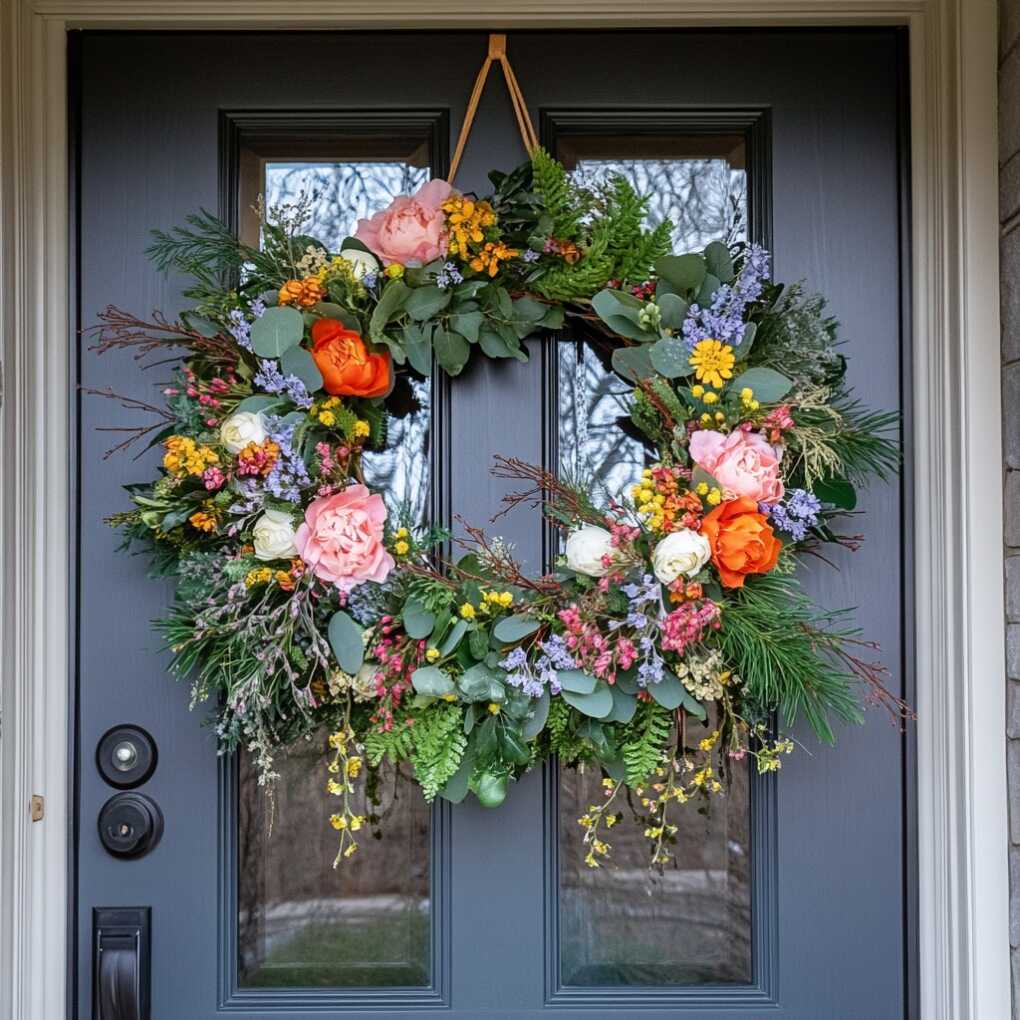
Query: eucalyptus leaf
{"x": 391, "y": 302}
{"x": 535, "y": 722}
{"x": 495, "y": 346}
{"x": 467, "y": 324}
{"x": 456, "y": 788}
{"x": 347, "y": 642}
{"x": 576, "y": 680}
{"x": 684, "y": 272}
{"x": 719, "y": 263}
{"x": 201, "y": 325}
{"x": 418, "y": 621}
{"x": 418, "y": 345}
{"x": 432, "y": 681}
{"x": 633, "y": 363}
{"x": 620, "y": 315}
{"x": 624, "y": 706}
{"x": 276, "y": 331}
{"x": 670, "y": 693}
{"x": 674, "y": 310}
{"x": 671, "y": 357}
{"x": 329, "y": 310}
{"x": 769, "y": 386}
{"x": 426, "y": 302}
{"x": 297, "y": 361}
{"x": 707, "y": 289}
{"x": 258, "y": 402}
{"x": 514, "y": 628}
{"x": 452, "y": 351}
{"x": 743, "y": 349}
{"x": 598, "y": 704}
{"x": 457, "y": 632}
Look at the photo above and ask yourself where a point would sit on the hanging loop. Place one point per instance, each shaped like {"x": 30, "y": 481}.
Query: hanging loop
{"x": 497, "y": 52}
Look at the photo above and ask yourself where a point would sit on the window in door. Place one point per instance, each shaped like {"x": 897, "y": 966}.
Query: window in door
{"x": 300, "y": 922}
{"x": 621, "y": 926}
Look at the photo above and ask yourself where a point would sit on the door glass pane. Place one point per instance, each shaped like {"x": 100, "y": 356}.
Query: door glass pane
{"x": 622, "y": 924}
{"x": 302, "y": 923}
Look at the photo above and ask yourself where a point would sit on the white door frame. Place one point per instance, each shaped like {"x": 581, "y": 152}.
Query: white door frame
{"x": 962, "y": 830}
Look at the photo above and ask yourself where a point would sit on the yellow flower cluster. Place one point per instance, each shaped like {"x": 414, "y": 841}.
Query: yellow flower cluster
{"x": 713, "y": 363}
{"x": 712, "y": 496}
{"x": 348, "y": 766}
{"x": 203, "y": 521}
{"x": 183, "y": 457}
{"x": 599, "y": 815}
{"x": 467, "y": 611}
{"x": 747, "y": 399}
{"x": 467, "y": 221}
{"x": 260, "y": 575}
{"x": 496, "y": 600}
{"x": 401, "y": 546}
{"x": 325, "y": 412}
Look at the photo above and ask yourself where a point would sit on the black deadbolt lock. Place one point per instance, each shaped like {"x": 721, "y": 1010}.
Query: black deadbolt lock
{"x": 130, "y": 824}
{"x": 126, "y": 756}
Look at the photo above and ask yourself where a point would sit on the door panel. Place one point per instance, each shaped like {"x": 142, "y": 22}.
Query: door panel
{"x": 483, "y": 917}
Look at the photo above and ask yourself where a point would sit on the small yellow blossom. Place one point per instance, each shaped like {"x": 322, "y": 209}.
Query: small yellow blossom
{"x": 702, "y": 489}
{"x": 713, "y": 363}
{"x": 697, "y": 390}
{"x": 714, "y": 497}
{"x": 362, "y": 429}
{"x": 432, "y": 654}
{"x": 327, "y": 418}
{"x": 394, "y": 270}
{"x": 494, "y": 708}
{"x": 401, "y": 548}
{"x": 710, "y": 397}
{"x": 467, "y": 611}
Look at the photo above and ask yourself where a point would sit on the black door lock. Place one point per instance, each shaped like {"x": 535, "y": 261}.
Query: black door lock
{"x": 130, "y": 824}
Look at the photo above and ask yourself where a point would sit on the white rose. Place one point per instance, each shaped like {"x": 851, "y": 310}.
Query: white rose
{"x": 361, "y": 262}
{"x": 242, "y": 428}
{"x": 273, "y": 536}
{"x": 682, "y": 552}
{"x": 586, "y": 548}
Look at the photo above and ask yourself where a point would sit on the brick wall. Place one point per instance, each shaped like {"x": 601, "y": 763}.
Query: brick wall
{"x": 1009, "y": 215}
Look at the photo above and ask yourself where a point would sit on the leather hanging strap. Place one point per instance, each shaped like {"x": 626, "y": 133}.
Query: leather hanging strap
{"x": 497, "y": 52}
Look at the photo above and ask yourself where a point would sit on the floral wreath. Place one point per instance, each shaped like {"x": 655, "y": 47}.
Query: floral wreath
{"x": 672, "y": 633}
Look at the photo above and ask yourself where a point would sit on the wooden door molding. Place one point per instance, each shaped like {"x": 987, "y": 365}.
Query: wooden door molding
{"x": 955, "y": 431}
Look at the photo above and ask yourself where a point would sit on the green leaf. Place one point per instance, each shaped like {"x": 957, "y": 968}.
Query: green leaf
{"x": 494, "y": 346}
{"x": 535, "y": 722}
{"x": 576, "y": 680}
{"x": 708, "y": 287}
{"x": 426, "y": 302}
{"x": 432, "y": 681}
{"x": 345, "y": 638}
{"x": 258, "y": 402}
{"x": 671, "y": 357}
{"x": 624, "y": 706}
{"x": 418, "y": 344}
{"x": 671, "y": 693}
{"x": 719, "y": 263}
{"x": 620, "y": 315}
{"x": 297, "y": 361}
{"x": 699, "y": 475}
{"x": 633, "y": 363}
{"x": 674, "y": 310}
{"x": 456, "y": 788}
{"x": 515, "y": 627}
{"x": 391, "y": 301}
{"x": 450, "y": 642}
{"x": 512, "y": 748}
{"x": 529, "y": 309}
{"x": 480, "y": 683}
{"x": 329, "y": 310}
{"x": 769, "y": 385}
{"x": 467, "y": 324}
{"x": 200, "y": 325}
{"x": 598, "y": 704}
{"x": 478, "y": 643}
{"x": 277, "y": 331}
{"x": 452, "y": 351}
{"x": 743, "y": 349}
{"x": 418, "y": 621}
{"x": 684, "y": 272}
{"x": 837, "y": 491}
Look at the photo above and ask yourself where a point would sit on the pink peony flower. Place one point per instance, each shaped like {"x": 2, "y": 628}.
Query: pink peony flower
{"x": 341, "y": 538}
{"x": 743, "y": 463}
{"x": 411, "y": 230}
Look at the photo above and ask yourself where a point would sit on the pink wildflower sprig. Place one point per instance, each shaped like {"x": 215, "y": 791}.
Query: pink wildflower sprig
{"x": 688, "y": 624}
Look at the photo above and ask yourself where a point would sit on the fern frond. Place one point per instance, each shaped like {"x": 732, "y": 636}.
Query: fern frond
{"x": 439, "y": 744}
{"x": 650, "y": 732}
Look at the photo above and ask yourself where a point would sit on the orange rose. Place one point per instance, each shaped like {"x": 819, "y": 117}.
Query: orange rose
{"x": 347, "y": 367}
{"x": 741, "y": 539}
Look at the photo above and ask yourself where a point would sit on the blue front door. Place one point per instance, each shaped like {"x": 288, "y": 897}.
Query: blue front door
{"x": 794, "y": 898}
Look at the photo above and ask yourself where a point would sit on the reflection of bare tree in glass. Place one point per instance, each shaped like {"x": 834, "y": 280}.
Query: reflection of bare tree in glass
{"x": 340, "y": 193}
{"x": 706, "y": 200}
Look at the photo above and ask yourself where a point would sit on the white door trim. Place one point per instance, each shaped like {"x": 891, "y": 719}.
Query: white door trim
{"x": 963, "y": 878}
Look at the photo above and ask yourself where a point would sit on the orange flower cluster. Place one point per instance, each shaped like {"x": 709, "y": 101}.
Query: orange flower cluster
{"x": 741, "y": 540}
{"x": 306, "y": 292}
{"x": 203, "y": 521}
{"x": 467, "y": 221}
{"x": 286, "y": 579}
{"x": 489, "y": 258}
{"x": 258, "y": 458}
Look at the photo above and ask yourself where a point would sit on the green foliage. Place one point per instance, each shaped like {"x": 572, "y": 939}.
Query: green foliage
{"x": 646, "y": 740}
{"x": 397, "y": 743}
{"x": 632, "y": 249}
{"x": 439, "y": 744}
{"x": 558, "y": 195}
{"x": 787, "y": 652}
{"x": 563, "y": 740}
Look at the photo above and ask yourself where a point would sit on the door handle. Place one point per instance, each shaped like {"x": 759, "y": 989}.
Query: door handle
{"x": 120, "y": 942}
